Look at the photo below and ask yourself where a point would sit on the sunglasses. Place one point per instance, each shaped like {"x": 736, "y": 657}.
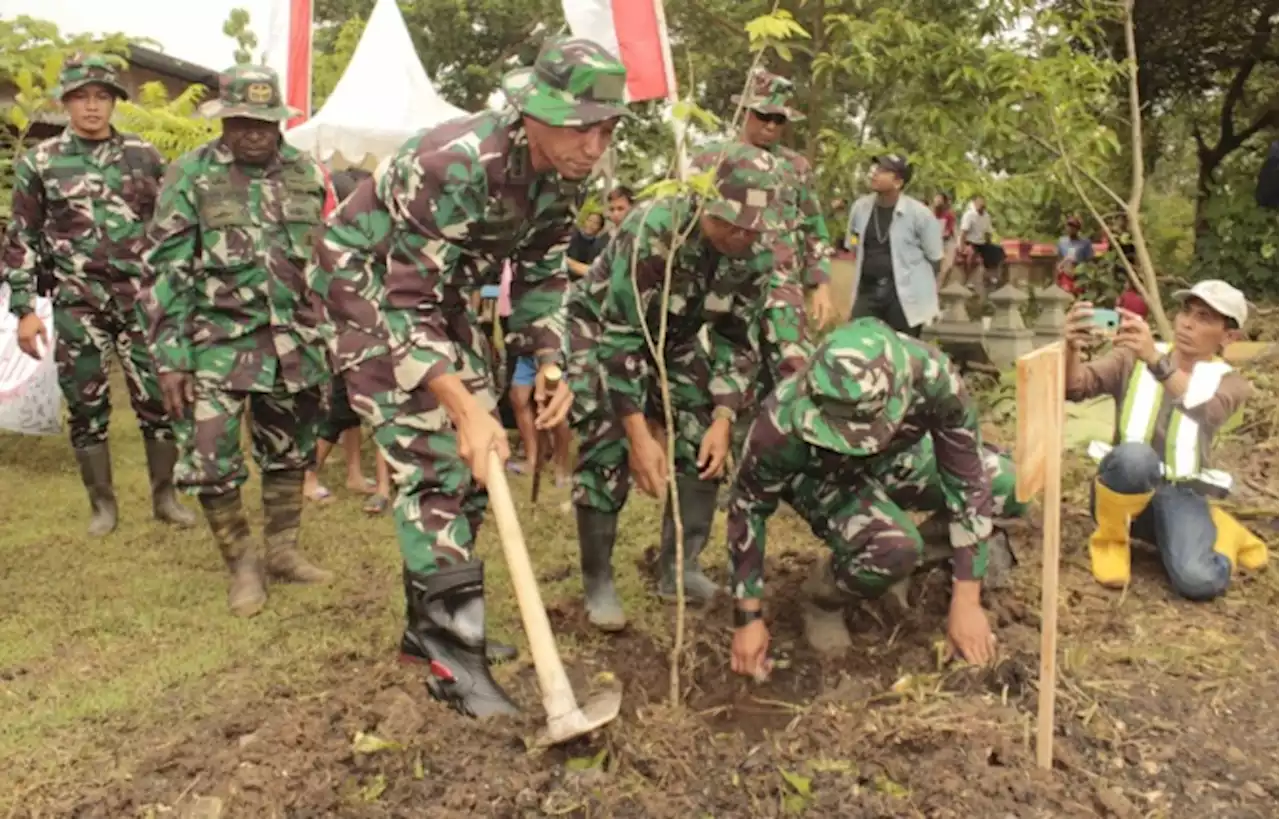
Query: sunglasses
{"x": 772, "y": 119}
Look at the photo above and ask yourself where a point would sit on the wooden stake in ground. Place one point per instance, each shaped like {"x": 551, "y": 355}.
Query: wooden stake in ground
{"x": 1041, "y": 410}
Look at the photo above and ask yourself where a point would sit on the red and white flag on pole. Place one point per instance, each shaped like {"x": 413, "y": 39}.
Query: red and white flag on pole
{"x": 635, "y": 32}
{"x": 288, "y": 50}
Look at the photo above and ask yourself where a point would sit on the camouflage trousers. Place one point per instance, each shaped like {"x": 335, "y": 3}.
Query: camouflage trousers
{"x": 873, "y": 540}
{"x": 602, "y": 476}
{"x": 86, "y": 338}
{"x": 438, "y": 507}
{"x": 282, "y": 428}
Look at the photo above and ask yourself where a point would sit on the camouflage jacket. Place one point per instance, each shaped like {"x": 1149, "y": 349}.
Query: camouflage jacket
{"x": 81, "y": 207}
{"x": 403, "y": 251}
{"x": 707, "y": 288}
{"x": 225, "y": 297}
{"x": 806, "y": 229}
{"x": 779, "y": 465}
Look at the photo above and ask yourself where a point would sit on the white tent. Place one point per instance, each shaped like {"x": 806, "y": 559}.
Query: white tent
{"x": 383, "y": 98}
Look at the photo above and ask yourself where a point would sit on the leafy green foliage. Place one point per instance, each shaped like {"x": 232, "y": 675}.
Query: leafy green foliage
{"x": 169, "y": 124}
{"x": 237, "y": 28}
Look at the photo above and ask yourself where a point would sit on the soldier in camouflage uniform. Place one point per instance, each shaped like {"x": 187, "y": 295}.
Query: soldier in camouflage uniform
{"x": 81, "y": 202}
{"x": 877, "y": 424}
{"x": 396, "y": 267}
{"x": 719, "y": 276}
{"x": 784, "y": 345}
{"x": 232, "y": 326}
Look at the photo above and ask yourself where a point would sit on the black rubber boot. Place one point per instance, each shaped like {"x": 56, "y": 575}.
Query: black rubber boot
{"x": 446, "y": 628}
{"x": 161, "y": 456}
{"x": 597, "y": 532}
{"x": 95, "y": 472}
{"x": 697, "y": 511}
{"x": 282, "y": 513}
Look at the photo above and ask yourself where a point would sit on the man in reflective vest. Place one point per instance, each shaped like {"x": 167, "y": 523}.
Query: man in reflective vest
{"x": 1155, "y": 480}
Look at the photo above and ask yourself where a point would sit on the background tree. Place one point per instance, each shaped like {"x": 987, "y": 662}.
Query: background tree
{"x": 237, "y": 28}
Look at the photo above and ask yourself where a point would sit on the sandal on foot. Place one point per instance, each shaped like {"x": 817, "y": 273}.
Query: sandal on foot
{"x": 376, "y": 505}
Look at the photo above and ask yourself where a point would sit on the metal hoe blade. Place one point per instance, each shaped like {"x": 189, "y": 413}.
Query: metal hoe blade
{"x": 599, "y": 710}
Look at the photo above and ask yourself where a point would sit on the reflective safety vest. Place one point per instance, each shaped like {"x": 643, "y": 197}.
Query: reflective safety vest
{"x": 1142, "y": 400}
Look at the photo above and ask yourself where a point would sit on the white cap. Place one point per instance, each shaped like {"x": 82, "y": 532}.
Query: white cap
{"x": 1219, "y": 295}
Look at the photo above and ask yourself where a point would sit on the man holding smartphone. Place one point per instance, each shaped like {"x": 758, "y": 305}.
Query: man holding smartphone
{"x": 1155, "y": 480}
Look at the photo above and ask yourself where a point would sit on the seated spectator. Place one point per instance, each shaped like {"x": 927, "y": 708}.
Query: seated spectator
{"x": 588, "y": 240}
{"x": 1155, "y": 481}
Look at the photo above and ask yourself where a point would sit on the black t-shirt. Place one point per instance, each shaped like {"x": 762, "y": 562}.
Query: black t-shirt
{"x": 877, "y": 260}
{"x": 584, "y": 248}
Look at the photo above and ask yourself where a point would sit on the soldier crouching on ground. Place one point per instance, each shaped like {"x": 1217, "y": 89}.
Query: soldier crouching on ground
{"x": 877, "y": 424}
{"x": 81, "y": 202}
{"x": 718, "y": 280}
{"x": 396, "y": 266}
{"x": 231, "y": 326}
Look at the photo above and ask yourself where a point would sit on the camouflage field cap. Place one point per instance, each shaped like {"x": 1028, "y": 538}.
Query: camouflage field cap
{"x": 251, "y": 92}
{"x": 80, "y": 70}
{"x": 854, "y": 395}
{"x": 574, "y": 82}
{"x": 769, "y": 94}
{"x": 746, "y": 180}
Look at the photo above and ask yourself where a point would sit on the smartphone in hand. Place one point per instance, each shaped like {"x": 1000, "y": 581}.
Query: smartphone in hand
{"x": 1105, "y": 319}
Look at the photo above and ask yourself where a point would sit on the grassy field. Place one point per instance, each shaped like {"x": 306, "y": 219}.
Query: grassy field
{"x": 126, "y": 690}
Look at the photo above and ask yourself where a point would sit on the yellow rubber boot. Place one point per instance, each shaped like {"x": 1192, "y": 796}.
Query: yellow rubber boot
{"x": 1236, "y": 543}
{"x": 1109, "y": 543}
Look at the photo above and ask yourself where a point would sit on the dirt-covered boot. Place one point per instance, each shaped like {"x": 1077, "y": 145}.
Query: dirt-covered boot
{"x": 95, "y": 472}
{"x": 697, "y": 511}
{"x": 446, "y": 626}
{"x": 161, "y": 456}
{"x": 823, "y": 610}
{"x": 247, "y": 591}
{"x": 597, "y": 532}
{"x": 282, "y": 509}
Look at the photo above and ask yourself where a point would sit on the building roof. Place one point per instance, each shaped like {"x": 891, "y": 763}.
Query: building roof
{"x": 162, "y": 63}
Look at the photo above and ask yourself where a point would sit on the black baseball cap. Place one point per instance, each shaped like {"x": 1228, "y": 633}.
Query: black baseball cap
{"x": 896, "y": 163}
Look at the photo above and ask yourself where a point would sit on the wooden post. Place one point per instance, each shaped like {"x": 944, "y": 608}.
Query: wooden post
{"x": 1041, "y": 413}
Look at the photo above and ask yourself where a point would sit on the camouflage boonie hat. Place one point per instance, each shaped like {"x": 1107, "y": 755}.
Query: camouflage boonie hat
{"x": 251, "y": 92}
{"x": 574, "y": 82}
{"x": 746, "y": 180}
{"x": 80, "y": 70}
{"x": 854, "y": 396}
{"x": 769, "y": 94}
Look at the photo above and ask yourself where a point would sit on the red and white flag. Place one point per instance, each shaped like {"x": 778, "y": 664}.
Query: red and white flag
{"x": 635, "y": 32}
{"x": 288, "y": 50}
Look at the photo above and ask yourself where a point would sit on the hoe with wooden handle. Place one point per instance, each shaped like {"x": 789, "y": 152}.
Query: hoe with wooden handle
{"x": 565, "y": 720}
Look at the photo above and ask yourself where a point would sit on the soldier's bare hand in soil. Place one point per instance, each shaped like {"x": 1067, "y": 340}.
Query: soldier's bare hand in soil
{"x": 1078, "y": 330}
{"x": 478, "y": 435}
{"x": 30, "y": 331}
{"x": 648, "y": 462}
{"x": 714, "y": 449}
{"x": 178, "y": 390}
{"x": 969, "y": 633}
{"x": 751, "y": 650}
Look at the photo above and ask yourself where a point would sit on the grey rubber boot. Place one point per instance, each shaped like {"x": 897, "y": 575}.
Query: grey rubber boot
{"x": 697, "y": 511}
{"x": 95, "y": 472}
{"x": 161, "y": 456}
{"x": 247, "y": 590}
{"x": 823, "y": 610}
{"x": 597, "y": 532}
{"x": 282, "y": 508}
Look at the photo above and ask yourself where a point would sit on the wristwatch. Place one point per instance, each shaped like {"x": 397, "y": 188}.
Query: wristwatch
{"x": 1162, "y": 369}
{"x": 742, "y": 617}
